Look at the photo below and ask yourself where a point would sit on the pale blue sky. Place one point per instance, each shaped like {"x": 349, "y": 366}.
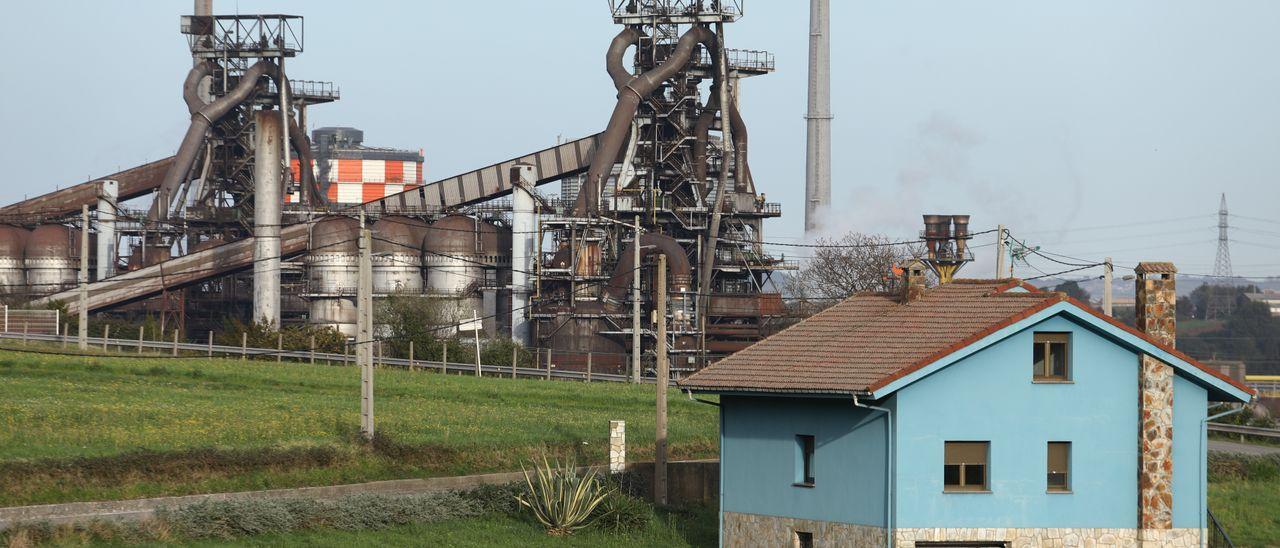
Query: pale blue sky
{"x": 1051, "y": 117}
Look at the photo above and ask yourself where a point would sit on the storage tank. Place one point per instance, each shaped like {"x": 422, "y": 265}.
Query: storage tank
{"x": 52, "y": 258}
{"x": 332, "y": 263}
{"x": 397, "y": 255}
{"x": 455, "y": 266}
{"x": 13, "y": 275}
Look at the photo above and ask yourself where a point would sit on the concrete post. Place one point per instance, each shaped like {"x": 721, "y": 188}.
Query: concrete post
{"x": 106, "y": 336}
{"x": 617, "y": 447}
{"x": 364, "y": 329}
{"x": 266, "y": 219}
{"x": 523, "y": 247}
{"x": 444, "y": 357}
{"x": 660, "y": 423}
{"x": 84, "y": 277}
{"x": 588, "y": 367}
{"x": 817, "y": 169}
{"x": 24, "y": 333}
{"x": 210, "y": 344}
{"x": 635, "y": 306}
{"x": 141, "y": 331}
{"x": 108, "y": 192}
{"x": 475, "y": 331}
{"x": 410, "y": 355}
{"x": 313, "y": 352}
{"x": 279, "y": 347}
{"x": 515, "y": 359}
{"x": 175, "y": 342}
{"x": 1001, "y": 252}
{"x": 244, "y": 345}
{"x": 1107, "y": 274}
{"x": 548, "y": 364}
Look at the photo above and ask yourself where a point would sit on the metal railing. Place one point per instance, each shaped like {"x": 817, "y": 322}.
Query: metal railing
{"x": 1217, "y": 535}
{"x": 127, "y": 347}
{"x": 1273, "y": 433}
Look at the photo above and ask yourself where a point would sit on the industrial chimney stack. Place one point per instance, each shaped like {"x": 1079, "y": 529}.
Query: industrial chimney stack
{"x": 817, "y": 168}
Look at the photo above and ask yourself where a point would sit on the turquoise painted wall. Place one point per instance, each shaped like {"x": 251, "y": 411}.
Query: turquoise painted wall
{"x": 758, "y": 459}
{"x": 1190, "y": 406}
{"x": 989, "y": 396}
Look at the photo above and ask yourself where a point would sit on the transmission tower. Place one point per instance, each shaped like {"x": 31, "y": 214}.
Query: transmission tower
{"x": 1220, "y": 299}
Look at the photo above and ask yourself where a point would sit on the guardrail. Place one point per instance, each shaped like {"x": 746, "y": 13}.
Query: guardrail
{"x": 1244, "y": 430}
{"x": 177, "y": 350}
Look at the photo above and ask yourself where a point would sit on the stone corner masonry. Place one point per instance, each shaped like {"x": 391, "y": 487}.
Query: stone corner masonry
{"x": 1155, "y": 311}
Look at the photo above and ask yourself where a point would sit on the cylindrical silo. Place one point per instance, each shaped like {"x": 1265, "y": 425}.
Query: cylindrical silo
{"x": 397, "y": 255}
{"x": 52, "y": 258}
{"x": 13, "y": 275}
{"x": 455, "y": 270}
{"x": 332, "y": 268}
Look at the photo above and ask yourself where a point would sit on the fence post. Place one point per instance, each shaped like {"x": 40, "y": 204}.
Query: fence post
{"x": 142, "y": 329}
{"x": 346, "y": 348}
{"x": 244, "y": 345}
{"x": 65, "y": 327}
{"x": 444, "y": 358}
{"x": 24, "y": 333}
{"x": 6, "y": 320}
{"x": 588, "y": 367}
{"x": 106, "y": 335}
{"x": 313, "y": 350}
{"x": 175, "y": 341}
{"x": 410, "y": 354}
{"x": 279, "y": 346}
{"x": 548, "y": 364}
{"x": 211, "y": 344}
{"x": 515, "y": 355}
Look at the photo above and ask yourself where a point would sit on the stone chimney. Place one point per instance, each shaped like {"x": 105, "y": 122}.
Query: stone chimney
{"x": 914, "y": 275}
{"x": 1155, "y": 302}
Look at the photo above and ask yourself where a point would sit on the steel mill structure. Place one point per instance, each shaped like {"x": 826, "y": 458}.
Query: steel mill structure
{"x": 255, "y": 219}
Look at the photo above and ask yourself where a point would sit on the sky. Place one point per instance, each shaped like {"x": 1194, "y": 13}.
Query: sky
{"x": 1088, "y": 127}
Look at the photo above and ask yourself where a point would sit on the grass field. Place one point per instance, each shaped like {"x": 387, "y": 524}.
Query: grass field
{"x": 1248, "y": 510}
{"x": 76, "y": 428}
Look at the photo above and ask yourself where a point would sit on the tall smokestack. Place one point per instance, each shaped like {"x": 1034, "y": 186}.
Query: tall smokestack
{"x": 267, "y": 202}
{"x": 817, "y": 170}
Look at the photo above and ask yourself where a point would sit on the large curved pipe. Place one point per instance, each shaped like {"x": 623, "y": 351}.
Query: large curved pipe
{"x": 191, "y": 86}
{"x": 312, "y": 194}
{"x": 741, "y": 171}
{"x": 617, "y": 49}
{"x": 629, "y": 96}
{"x": 677, "y": 266}
{"x": 700, "y": 129}
{"x": 192, "y": 141}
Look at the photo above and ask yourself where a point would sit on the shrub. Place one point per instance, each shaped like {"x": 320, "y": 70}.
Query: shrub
{"x": 1234, "y": 466}
{"x": 561, "y": 499}
{"x": 622, "y": 513}
{"x": 495, "y": 499}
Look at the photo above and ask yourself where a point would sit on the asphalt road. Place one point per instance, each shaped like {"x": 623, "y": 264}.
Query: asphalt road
{"x": 1245, "y": 448}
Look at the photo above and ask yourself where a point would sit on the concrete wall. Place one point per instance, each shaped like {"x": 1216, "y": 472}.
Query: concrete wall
{"x": 759, "y": 459}
{"x": 989, "y": 396}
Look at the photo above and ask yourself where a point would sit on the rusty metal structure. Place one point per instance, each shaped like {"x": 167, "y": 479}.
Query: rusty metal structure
{"x": 669, "y": 174}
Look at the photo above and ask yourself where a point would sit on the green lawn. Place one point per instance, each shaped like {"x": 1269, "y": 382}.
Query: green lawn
{"x": 71, "y": 428}
{"x": 1248, "y": 510}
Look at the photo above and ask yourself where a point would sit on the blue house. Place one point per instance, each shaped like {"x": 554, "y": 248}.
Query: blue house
{"x": 976, "y": 413}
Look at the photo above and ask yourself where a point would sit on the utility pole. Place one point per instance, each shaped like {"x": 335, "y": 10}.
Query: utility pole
{"x": 660, "y": 436}
{"x": 1107, "y": 269}
{"x": 475, "y": 331}
{"x": 1001, "y": 253}
{"x": 84, "y": 277}
{"x": 635, "y": 306}
{"x": 364, "y": 331}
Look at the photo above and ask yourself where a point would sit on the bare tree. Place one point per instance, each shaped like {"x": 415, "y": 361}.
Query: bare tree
{"x": 850, "y": 264}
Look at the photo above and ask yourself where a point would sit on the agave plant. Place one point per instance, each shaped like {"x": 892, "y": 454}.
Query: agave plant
{"x": 560, "y": 498}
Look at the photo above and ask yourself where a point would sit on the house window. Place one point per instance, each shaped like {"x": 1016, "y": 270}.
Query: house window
{"x": 804, "y": 460}
{"x": 1050, "y": 358}
{"x": 1059, "y": 471}
{"x": 965, "y": 467}
{"x": 804, "y": 539}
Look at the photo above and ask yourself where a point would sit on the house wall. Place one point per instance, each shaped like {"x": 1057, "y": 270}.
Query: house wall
{"x": 989, "y": 396}
{"x": 758, "y": 461}
{"x": 1190, "y": 406}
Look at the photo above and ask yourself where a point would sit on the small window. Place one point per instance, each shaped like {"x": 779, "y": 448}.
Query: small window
{"x": 804, "y": 539}
{"x": 965, "y": 467}
{"x": 804, "y": 460}
{"x": 1059, "y": 471}
{"x": 1050, "y": 359}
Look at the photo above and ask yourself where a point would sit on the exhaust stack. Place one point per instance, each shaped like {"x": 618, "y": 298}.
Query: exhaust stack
{"x": 948, "y": 249}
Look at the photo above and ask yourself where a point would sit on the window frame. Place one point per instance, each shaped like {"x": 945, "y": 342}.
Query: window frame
{"x": 1066, "y": 487}
{"x": 1045, "y": 340}
{"x": 806, "y": 450}
{"x": 962, "y": 487}
{"x": 802, "y": 539}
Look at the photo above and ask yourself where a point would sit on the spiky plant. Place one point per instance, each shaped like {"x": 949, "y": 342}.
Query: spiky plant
{"x": 560, "y": 498}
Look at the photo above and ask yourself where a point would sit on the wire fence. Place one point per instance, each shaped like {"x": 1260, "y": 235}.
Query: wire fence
{"x": 150, "y": 349}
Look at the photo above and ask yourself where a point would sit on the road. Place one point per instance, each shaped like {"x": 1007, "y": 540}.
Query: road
{"x": 1244, "y": 448}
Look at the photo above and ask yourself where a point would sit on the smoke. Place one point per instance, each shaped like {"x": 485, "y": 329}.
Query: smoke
{"x": 937, "y": 174}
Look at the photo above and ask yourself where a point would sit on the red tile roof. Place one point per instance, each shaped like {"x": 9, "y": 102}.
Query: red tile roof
{"x": 871, "y": 339}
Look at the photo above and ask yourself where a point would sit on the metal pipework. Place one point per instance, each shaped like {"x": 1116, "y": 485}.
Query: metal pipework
{"x": 629, "y": 96}
{"x": 961, "y": 223}
{"x": 523, "y": 247}
{"x": 677, "y": 264}
{"x": 192, "y": 141}
{"x": 108, "y": 195}
{"x": 267, "y": 204}
{"x": 613, "y": 57}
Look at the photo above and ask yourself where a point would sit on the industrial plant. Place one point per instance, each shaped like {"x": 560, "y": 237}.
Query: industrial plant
{"x": 254, "y": 218}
